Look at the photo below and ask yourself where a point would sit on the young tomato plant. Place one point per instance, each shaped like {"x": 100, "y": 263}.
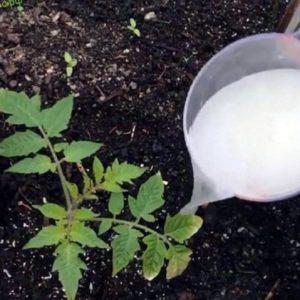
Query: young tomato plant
{"x": 71, "y": 63}
{"x": 71, "y": 229}
{"x": 133, "y": 27}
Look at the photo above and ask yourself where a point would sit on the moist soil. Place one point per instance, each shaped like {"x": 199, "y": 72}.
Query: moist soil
{"x": 130, "y": 93}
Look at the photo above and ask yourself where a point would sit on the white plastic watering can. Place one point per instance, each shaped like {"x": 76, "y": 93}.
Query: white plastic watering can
{"x": 242, "y": 58}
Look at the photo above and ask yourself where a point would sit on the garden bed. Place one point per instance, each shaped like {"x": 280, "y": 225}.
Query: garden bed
{"x": 130, "y": 94}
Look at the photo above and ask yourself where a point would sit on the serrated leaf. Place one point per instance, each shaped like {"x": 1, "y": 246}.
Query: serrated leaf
{"x": 77, "y": 151}
{"x": 98, "y": 170}
{"x": 47, "y": 236}
{"x": 124, "y": 172}
{"x": 111, "y": 187}
{"x": 86, "y": 236}
{"x": 60, "y": 147}
{"x": 87, "y": 183}
{"x": 69, "y": 71}
{"x": 104, "y": 226}
{"x": 22, "y": 144}
{"x": 22, "y": 109}
{"x": 52, "y": 210}
{"x": 181, "y": 227}
{"x": 67, "y": 56}
{"x": 84, "y": 214}
{"x": 149, "y": 198}
{"x": 124, "y": 247}
{"x": 123, "y": 229}
{"x": 39, "y": 164}
{"x": 69, "y": 266}
{"x": 132, "y": 23}
{"x": 56, "y": 118}
{"x": 179, "y": 258}
{"x": 73, "y": 190}
{"x": 153, "y": 257}
{"x": 116, "y": 203}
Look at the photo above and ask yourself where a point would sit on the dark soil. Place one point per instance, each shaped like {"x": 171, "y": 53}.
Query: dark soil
{"x": 130, "y": 94}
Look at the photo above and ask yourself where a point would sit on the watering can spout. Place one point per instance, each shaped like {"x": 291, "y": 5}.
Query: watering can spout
{"x": 204, "y": 192}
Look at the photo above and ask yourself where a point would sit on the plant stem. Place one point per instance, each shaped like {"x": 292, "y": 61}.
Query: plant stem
{"x": 60, "y": 172}
{"x": 134, "y": 224}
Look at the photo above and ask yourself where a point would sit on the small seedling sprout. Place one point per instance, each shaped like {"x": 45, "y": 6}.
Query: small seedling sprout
{"x": 71, "y": 63}
{"x": 133, "y": 27}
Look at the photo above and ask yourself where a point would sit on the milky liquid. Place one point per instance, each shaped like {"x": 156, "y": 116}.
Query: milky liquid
{"x": 246, "y": 138}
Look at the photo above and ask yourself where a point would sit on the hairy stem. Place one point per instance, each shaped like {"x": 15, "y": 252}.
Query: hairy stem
{"x": 60, "y": 172}
{"x": 136, "y": 225}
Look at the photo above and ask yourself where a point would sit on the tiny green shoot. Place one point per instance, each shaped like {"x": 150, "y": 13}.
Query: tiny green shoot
{"x": 133, "y": 27}
{"x": 20, "y": 8}
{"x": 71, "y": 63}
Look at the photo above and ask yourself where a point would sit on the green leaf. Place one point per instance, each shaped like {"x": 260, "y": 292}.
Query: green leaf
{"x": 149, "y": 218}
{"x": 86, "y": 236}
{"x": 36, "y": 100}
{"x": 68, "y": 57}
{"x": 47, "y": 236}
{"x": 116, "y": 203}
{"x": 39, "y": 164}
{"x": 56, "y": 118}
{"x": 111, "y": 187}
{"x": 84, "y": 214}
{"x": 89, "y": 189}
{"x": 73, "y": 190}
{"x": 124, "y": 229}
{"x": 73, "y": 63}
{"x": 181, "y": 227}
{"x": 137, "y": 32}
{"x": 124, "y": 172}
{"x": 149, "y": 198}
{"x": 22, "y": 144}
{"x": 98, "y": 170}
{"x": 90, "y": 197}
{"x": 87, "y": 183}
{"x": 69, "y": 266}
{"x": 104, "y": 226}
{"x": 179, "y": 258}
{"x": 132, "y": 23}
{"x": 52, "y": 210}
{"x": 124, "y": 246}
{"x": 77, "y": 151}
{"x": 153, "y": 257}
{"x": 23, "y": 109}
{"x": 60, "y": 147}
{"x": 69, "y": 71}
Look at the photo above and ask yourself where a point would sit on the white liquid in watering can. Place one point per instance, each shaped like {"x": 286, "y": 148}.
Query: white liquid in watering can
{"x": 246, "y": 138}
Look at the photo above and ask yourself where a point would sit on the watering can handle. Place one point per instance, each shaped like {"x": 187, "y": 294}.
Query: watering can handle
{"x": 291, "y": 19}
